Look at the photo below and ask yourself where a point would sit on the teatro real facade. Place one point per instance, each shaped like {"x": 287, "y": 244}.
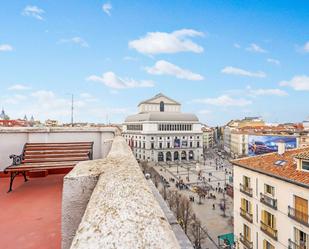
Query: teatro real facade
{"x": 161, "y": 132}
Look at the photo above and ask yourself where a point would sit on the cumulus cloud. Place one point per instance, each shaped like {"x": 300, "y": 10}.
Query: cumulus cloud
{"x": 18, "y": 87}
{"x": 107, "y": 7}
{"x": 33, "y": 11}
{"x": 75, "y": 40}
{"x": 242, "y": 72}
{"x": 298, "y": 83}
{"x": 255, "y": 48}
{"x": 5, "y": 48}
{"x": 273, "y": 61}
{"x": 168, "y": 43}
{"x": 166, "y": 68}
{"x": 110, "y": 79}
{"x": 224, "y": 101}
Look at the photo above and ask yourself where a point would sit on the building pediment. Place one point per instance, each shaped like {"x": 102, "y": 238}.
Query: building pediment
{"x": 158, "y": 98}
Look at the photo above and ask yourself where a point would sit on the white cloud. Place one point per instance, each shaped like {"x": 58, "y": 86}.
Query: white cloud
{"x": 225, "y": 101}
{"x": 76, "y": 40}
{"x": 273, "y": 61}
{"x": 161, "y": 42}
{"x": 204, "y": 112}
{"x": 33, "y": 11}
{"x": 260, "y": 92}
{"x": 164, "y": 67}
{"x": 242, "y": 72}
{"x": 107, "y": 7}
{"x": 236, "y": 45}
{"x": 306, "y": 47}
{"x": 5, "y": 48}
{"x": 255, "y": 48}
{"x": 18, "y": 87}
{"x": 298, "y": 83}
{"x": 110, "y": 79}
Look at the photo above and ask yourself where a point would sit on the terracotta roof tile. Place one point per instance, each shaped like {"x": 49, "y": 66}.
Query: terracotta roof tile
{"x": 266, "y": 164}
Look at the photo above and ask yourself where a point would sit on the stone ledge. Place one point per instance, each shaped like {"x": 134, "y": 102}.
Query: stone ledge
{"x": 122, "y": 211}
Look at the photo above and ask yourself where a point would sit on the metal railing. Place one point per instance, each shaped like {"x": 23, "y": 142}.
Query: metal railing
{"x": 245, "y": 214}
{"x": 299, "y": 216}
{"x": 268, "y": 201}
{"x": 248, "y": 244}
{"x": 294, "y": 245}
{"x": 270, "y": 231}
{"x": 245, "y": 189}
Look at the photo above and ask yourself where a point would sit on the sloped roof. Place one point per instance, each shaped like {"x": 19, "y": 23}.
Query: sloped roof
{"x": 266, "y": 164}
{"x": 158, "y": 96}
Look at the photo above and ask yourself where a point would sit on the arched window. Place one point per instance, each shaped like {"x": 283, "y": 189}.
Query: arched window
{"x": 161, "y": 106}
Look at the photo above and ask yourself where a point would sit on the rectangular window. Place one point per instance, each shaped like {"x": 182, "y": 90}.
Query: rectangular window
{"x": 246, "y": 205}
{"x": 152, "y": 145}
{"x": 160, "y": 145}
{"x": 268, "y": 219}
{"x": 301, "y": 208}
{"x": 267, "y": 245}
{"x": 246, "y": 181}
{"x": 247, "y": 232}
{"x": 269, "y": 189}
{"x": 305, "y": 165}
{"x": 168, "y": 144}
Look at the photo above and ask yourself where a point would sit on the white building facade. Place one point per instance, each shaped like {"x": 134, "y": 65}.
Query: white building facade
{"x": 161, "y": 132}
{"x": 270, "y": 206}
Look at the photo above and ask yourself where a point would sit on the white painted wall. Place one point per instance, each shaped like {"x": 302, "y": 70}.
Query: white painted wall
{"x": 12, "y": 140}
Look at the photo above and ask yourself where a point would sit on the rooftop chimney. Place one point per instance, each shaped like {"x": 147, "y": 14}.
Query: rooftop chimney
{"x": 281, "y": 147}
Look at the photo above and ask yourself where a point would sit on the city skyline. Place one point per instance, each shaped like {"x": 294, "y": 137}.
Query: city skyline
{"x": 226, "y": 62}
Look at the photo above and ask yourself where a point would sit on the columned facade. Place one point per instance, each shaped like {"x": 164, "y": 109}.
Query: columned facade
{"x": 162, "y": 133}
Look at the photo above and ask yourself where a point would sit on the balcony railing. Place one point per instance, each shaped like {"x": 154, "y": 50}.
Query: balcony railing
{"x": 248, "y": 244}
{"x": 299, "y": 216}
{"x": 294, "y": 245}
{"x": 245, "y": 214}
{"x": 268, "y": 201}
{"x": 271, "y": 232}
{"x": 246, "y": 190}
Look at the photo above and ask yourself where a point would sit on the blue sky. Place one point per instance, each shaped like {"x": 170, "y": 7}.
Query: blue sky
{"x": 222, "y": 59}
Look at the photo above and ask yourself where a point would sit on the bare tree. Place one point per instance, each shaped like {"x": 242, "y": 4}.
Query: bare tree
{"x": 196, "y": 232}
{"x": 186, "y": 213}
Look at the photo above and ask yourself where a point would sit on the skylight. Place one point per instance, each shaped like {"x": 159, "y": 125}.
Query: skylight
{"x": 280, "y": 162}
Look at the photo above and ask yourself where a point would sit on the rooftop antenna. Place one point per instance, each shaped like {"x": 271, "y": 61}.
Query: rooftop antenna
{"x": 72, "y": 111}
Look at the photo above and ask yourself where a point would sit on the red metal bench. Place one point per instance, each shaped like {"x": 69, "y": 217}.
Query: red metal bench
{"x": 46, "y": 156}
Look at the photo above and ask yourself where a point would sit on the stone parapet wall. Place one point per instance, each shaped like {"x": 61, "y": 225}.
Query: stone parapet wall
{"x": 122, "y": 211}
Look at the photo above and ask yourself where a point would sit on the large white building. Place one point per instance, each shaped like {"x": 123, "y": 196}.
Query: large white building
{"x": 271, "y": 194}
{"x": 161, "y": 132}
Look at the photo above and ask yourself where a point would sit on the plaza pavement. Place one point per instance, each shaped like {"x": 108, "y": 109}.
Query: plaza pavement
{"x": 212, "y": 220}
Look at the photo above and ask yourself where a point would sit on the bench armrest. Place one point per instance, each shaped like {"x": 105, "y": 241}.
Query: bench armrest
{"x": 17, "y": 159}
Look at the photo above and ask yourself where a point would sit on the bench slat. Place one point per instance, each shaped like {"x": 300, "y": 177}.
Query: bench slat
{"x": 64, "y": 159}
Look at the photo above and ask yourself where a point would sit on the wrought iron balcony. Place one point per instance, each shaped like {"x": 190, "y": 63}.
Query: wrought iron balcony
{"x": 294, "y": 245}
{"x": 248, "y": 244}
{"x": 270, "y": 231}
{"x": 268, "y": 201}
{"x": 246, "y": 190}
{"x": 245, "y": 214}
{"x": 299, "y": 216}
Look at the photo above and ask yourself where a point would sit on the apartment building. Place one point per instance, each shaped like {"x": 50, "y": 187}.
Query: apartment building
{"x": 237, "y": 124}
{"x": 208, "y": 137}
{"x": 271, "y": 194}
